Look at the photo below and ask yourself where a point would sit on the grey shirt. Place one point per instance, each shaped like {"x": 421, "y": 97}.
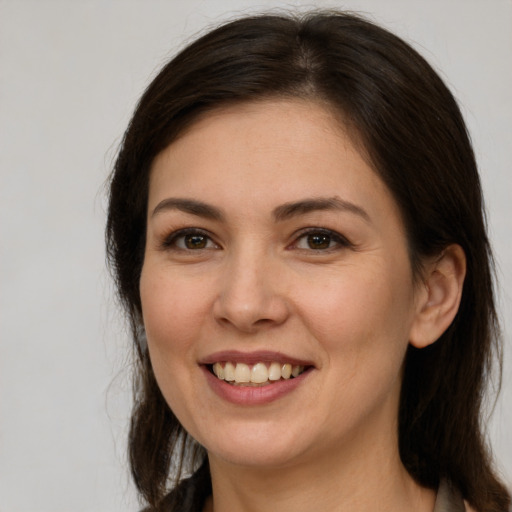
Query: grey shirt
{"x": 191, "y": 497}
{"x": 448, "y": 499}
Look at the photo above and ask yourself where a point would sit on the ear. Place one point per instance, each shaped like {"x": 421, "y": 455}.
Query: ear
{"x": 438, "y": 297}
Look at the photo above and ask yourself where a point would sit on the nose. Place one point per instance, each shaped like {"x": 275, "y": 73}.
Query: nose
{"x": 250, "y": 296}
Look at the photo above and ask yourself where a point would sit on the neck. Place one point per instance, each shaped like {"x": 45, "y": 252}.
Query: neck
{"x": 348, "y": 479}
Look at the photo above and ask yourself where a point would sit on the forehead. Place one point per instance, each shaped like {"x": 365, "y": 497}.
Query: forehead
{"x": 276, "y": 151}
{"x": 261, "y": 124}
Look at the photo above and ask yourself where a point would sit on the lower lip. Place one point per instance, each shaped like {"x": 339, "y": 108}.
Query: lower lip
{"x": 253, "y": 395}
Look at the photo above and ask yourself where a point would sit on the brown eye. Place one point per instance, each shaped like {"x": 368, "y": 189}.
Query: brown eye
{"x": 195, "y": 241}
{"x": 189, "y": 240}
{"x": 319, "y": 241}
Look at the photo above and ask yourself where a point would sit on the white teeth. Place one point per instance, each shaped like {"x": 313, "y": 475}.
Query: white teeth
{"x": 259, "y": 373}
{"x": 229, "y": 372}
{"x": 218, "y": 370}
{"x": 274, "y": 371}
{"x": 242, "y": 373}
{"x": 286, "y": 371}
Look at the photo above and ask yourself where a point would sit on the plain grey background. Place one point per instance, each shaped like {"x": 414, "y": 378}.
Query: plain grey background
{"x": 70, "y": 73}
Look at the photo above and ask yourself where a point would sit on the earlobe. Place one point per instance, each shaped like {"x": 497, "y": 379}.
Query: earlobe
{"x": 438, "y": 301}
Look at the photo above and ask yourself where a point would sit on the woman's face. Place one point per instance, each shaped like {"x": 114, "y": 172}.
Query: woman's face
{"x": 272, "y": 246}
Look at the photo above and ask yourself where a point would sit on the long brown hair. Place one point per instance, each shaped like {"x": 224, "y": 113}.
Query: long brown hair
{"x": 410, "y": 128}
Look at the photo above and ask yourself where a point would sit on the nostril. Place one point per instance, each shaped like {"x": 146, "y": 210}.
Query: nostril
{"x": 263, "y": 321}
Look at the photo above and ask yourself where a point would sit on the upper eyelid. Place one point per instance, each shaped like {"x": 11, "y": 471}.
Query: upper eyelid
{"x": 306, "y": 231}
{"x": 169, "y": 239}
{"x": 340, "y": 240}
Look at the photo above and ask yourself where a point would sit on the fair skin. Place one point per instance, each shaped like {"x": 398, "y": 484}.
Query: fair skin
{"x": 271, "y": 240}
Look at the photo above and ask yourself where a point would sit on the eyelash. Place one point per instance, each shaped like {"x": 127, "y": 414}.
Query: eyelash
{"x": 171, "y": 241}
{"x": 339, "y": 241}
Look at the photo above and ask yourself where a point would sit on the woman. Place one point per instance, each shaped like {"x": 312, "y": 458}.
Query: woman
{"x": 296, "y": 229}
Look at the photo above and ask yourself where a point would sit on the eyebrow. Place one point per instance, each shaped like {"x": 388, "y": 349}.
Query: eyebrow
{"x": 289, "y": 210}
{"x": 189, "y": 206}
{"x": 283, "y": 212}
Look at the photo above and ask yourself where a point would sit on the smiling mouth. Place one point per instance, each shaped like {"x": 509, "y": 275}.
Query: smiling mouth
{"x": 256, "y": 375}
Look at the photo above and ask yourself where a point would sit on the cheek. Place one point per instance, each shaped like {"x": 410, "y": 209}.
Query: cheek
{"x": 171, "y": 310}
{"x": 171, "y": 307}
{"x": 363, "y": 313}
{"x": 355, "y": 295}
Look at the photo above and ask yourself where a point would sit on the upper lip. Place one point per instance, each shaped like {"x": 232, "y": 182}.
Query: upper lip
{"x": 260, "y": 356}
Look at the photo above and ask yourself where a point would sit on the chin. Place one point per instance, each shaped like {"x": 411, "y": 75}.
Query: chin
{"x": 256, "y": 447}
{"x": 267, "y": 459}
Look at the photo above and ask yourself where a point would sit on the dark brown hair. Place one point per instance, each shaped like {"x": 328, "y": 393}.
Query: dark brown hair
{"x": 412, "y": 132}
